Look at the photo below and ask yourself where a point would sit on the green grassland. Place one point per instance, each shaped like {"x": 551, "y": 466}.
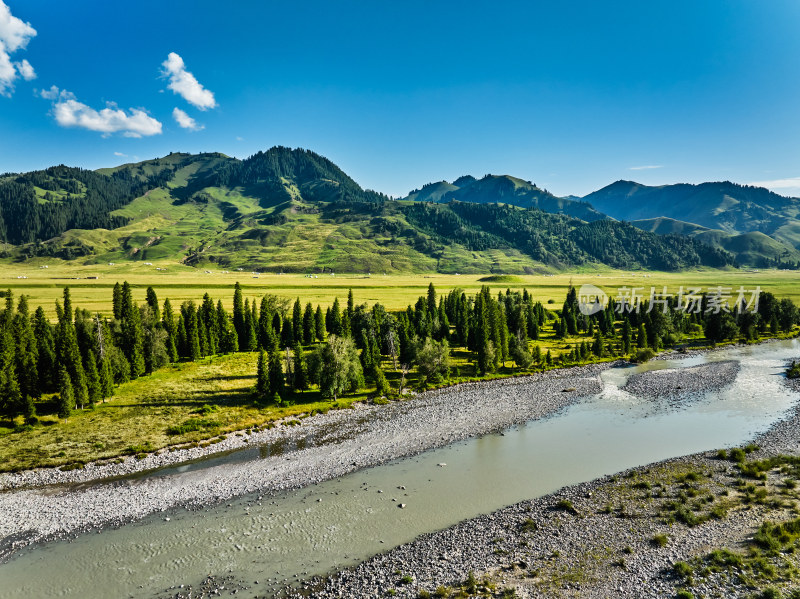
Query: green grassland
{"x": 179, "y": 282}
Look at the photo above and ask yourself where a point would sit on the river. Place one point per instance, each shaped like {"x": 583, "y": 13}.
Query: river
{"x": 340, "y": 522}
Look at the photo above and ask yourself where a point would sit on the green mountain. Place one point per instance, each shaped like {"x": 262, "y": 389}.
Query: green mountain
{"x": 295, "y": 211}
{"x": 761, "y": 227}
{"x": 504, "y": 189}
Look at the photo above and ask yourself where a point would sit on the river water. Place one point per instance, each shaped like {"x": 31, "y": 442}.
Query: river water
{"x": 340, "y": 522}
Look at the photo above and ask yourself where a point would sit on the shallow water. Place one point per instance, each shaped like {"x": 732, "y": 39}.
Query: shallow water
{"x": 344, "y": 521}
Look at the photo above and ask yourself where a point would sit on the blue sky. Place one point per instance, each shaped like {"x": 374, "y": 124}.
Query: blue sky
{"x": 571, "y": 96}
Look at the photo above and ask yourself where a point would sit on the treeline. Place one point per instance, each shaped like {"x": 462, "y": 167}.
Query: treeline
{"x": 73, "y": 199}
{"x": 559, "y": 240}
{"x": 79, "y": 358}
{"x": 298, "y": 165}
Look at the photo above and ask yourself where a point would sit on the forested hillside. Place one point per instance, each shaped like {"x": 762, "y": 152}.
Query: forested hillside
{"x": 505, "y": 189}
{"x": 291, "y": 210}
{"x": 759, "y": 226}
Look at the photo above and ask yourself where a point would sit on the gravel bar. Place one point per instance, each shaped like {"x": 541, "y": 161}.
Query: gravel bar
{"x": 567, "y": 543}
{"x": 48, "y": 504}
{"x": 673, "y": 382}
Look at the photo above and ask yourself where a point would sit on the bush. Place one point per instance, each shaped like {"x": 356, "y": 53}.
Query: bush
{"x": 736, "y": 455}
{"x": 433, "y": 360}
{"x": 793, "y": 372}
{"x": 643, "y": 355}
{"x": 682, "y": 570}
{"x": 565, "y": 505}
{"x": 684, "y": 594}
{"x": 191, "y": 425}
{"x": 529, "y": 525}
{"x": 659, "y": 540}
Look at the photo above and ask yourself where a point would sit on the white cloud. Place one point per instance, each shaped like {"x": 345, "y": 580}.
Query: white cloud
{"x": 789, "y": 186}
{"x": 25, "y": 69}
{"x": 238, "y": 138}
{"x": 645, "y": 168}
{"x": 14, "y": 35}
{"x": 50, "y": 94}
{"x": 68, "y": 112}
{"x": 185, "y": 121}
{"x": 183, "y": 83}
{"x": 120, "y": 154}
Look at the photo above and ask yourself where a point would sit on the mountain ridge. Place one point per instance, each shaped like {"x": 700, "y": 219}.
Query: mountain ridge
{"x": 292, "y": 209}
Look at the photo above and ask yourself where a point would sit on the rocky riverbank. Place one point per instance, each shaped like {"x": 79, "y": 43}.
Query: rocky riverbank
{"x": 47, "y": 504}
{"x": 617, "y": 536}
{"x": 674, "y": 382}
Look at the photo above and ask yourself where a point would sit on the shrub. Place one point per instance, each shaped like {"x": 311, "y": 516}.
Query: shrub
{"x": 682, "y": 570}
{"x": 659, "y": 540}
{"x": 191, "y": 425}
{"x": 793, "y": 372}
{"x": 529, "y": 525}
{"x": 684, "y": 594}
{"x": 565, "y": 505}
{"x": 643, "y": 355}
{"x": 736, "y": 455}
{"x": 471, "y": 585}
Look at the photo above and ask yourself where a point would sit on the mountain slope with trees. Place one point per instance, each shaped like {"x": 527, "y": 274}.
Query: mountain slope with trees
{"x": 760, "y": 226}
{"x": 293, "y": 210}
{"x": 505, "y": 189}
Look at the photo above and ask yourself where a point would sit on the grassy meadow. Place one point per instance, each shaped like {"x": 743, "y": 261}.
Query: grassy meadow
{"x": 44, "y": 286}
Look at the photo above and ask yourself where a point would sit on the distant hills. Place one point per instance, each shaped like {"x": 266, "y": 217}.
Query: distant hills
{"x": 293, "y": 210}
{"x": 761, "y": 227}
{"x": 505, "y": 189}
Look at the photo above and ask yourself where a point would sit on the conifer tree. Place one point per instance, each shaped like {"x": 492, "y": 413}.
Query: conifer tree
{"x": 239, "y": 317}
{"x": 250, "y": 338}
{"x": 334, "y": 322}
{"x": 262, "y": 375}
{"x": 106, "y": 378}
{"x": 26, "y": 351}
{"x": 265, "y": 332}
{"x": 228, "y": 339}
{"x": 152, "y": 301}
{"x": 93, "y": 384}
{"x": 66, "y": 398}
{"x": 45, "y": 350}
{"x": 276, "y": 378}
{"x": 287, "y": 333}
{"x": 319, "y": 325}
{"x": 382, "y": 387}
{"x": 641, "y": 337}
{"x": 626, "y": 336}
{"x": 132, "y": 333}
{"x": 350, "y": 304}
{"x": 208, "y": 315}
{"x": 171, "y": 328}
{"x": 69, "y": 354}
{"x": 189, "y": 314}
{"x": 117, "y": 301}
{"x": 308, "y": 325}
{"x": 297, "y": 322}
{"x": 300, "y": 379}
